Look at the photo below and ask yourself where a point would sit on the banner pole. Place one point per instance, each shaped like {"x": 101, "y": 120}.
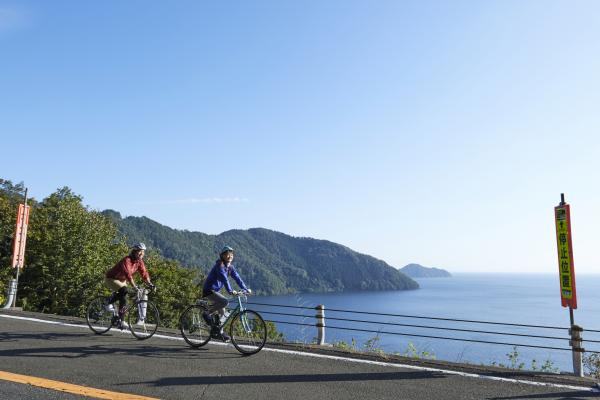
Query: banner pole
{"x": 21, "y": 242}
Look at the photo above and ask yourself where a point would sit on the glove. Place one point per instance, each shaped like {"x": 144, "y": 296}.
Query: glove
{"x": 249, "y": 291}
{"x": 234, "y": 292}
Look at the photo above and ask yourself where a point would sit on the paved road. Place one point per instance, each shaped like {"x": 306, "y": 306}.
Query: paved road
{"x": 167, "y": 369}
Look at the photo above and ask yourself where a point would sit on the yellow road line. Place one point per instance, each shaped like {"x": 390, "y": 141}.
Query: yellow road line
{"x": 70, "y": 388}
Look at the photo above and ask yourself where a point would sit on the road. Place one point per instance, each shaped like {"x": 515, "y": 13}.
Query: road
{"x": 166, "y": 368}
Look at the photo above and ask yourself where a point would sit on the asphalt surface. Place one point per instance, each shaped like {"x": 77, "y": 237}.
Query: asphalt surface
{"x": 168, "y": 369}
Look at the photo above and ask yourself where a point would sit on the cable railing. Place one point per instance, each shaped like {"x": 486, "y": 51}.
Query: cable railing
{"x": 571, "y": 341}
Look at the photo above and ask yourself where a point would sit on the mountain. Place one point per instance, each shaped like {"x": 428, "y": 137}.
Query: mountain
{"x": 419, "y": 271}
{"x": 269, "y": 262}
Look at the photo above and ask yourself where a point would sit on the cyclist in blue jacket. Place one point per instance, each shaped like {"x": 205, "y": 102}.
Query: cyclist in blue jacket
{"x": 217, "y": 279}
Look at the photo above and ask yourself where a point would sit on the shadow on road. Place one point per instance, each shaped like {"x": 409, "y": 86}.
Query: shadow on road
{"x": 111, "y": 345}
{"x": 559, "y": 396}
{"x": 300, "y": 378}
{"x": 12, "y": 337}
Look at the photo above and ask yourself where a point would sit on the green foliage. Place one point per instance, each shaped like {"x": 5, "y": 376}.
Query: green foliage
{"x": 68, "y": 250}
{"x": 273, "y": 335}
{"x": 413, "y": 352}
{"x": 346, "y": 346}
{"x": 591, "y": 364}
{"x": 177, "y": 287}
{"x": 10, "y": 196}
{"x": 270, "y": 262}
{"x": 514, "y": 362}
{"x": 372, "y": 346}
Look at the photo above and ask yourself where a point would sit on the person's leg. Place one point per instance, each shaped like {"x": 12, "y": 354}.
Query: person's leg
{"x": 218, "y": 302}
{"x": 122, "y": 297}
{"x": 119, "y": 289}
{"x": 115, "y": 285}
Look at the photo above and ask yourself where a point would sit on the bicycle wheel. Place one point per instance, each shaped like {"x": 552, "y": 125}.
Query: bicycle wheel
{"x": 99, "y": 316}
{"x": 248, "y": 332}
{"x": 194, "y": 329}
{"x": 143, "y": 319}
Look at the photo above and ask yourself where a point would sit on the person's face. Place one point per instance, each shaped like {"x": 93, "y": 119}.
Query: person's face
{"x": 227, "y": 257}
{"x": 140, "y": 254}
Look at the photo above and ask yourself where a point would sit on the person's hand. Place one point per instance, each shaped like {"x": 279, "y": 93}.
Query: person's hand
{"x": 234, "y": 293}
{"x": 249, "y": 291}
{"x": 151, "y": 286}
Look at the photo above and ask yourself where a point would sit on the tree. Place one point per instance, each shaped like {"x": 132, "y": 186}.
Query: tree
{"x": 177, "y": 287}
{"x": 69, "y": 249}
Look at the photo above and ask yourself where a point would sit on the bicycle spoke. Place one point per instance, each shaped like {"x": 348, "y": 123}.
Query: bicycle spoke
{"x": 143, "y": 320}
{"x": 194, "y": 329}
{"x": 248, "y": 332}
{"x": 99, "y": 315}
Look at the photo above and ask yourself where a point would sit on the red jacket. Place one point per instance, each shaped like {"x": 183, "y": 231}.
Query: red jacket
{"x": 125, "y": 269}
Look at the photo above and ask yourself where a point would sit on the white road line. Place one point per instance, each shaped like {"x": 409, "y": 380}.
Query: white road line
{"x": 338, "y": 358}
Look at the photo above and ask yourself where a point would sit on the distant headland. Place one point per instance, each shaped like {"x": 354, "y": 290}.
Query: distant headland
{"x": 419, "y": 271}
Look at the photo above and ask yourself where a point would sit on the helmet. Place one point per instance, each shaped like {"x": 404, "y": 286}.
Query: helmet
{"x": 225, "y": 250}
{"x": 139, "y": 246}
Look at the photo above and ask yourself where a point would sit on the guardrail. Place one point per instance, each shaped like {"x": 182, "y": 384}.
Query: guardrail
{"x": 572, "y": 335}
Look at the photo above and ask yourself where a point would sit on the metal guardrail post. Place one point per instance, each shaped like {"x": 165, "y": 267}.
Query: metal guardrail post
{"x": 320, "y": 324}
{"x": 11, "y": 292}
{"x": 577, "y": 350}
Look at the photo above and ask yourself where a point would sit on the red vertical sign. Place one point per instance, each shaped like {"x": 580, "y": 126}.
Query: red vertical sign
{"x": 566, "y": 267}
{"x": 20, "y": 236}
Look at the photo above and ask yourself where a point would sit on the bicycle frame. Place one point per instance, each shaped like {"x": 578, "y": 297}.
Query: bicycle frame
{"x": 239, "y": 308}
{"x": 140, "y": 297}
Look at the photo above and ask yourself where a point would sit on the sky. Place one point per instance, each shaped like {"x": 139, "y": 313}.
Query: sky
{"x": 434, "y": 132}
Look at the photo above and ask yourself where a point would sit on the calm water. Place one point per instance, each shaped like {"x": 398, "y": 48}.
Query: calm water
{"x": 522, "y": 299}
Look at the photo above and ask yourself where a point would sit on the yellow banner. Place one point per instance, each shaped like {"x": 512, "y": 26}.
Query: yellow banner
{"x": 564, "y": 253}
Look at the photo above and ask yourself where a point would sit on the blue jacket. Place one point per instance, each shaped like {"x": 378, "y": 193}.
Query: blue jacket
{"x": 217, "y": 278}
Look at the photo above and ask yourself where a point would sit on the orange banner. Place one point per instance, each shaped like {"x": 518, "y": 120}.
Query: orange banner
{"x": 20, "y": 236}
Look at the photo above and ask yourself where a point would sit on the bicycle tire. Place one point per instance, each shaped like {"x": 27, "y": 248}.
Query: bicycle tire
{"x": 143, "y": 319}
{"x": 193, "y": 328}
{"x": 248, "y": 332}
{"x": 98, "y": 318}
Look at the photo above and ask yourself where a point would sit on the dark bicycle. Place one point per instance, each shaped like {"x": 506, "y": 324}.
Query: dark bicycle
{"x": 142, "y": 316}
{"x": 247, "y": 329}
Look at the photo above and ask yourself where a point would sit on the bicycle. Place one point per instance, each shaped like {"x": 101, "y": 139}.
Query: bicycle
{"x": 142, "y": 316}
{"x": 247, "y": 329}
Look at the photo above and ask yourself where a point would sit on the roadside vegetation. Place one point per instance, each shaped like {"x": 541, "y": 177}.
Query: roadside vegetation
{"x": 69, "y": 249}
{"x": 372, "y": 346}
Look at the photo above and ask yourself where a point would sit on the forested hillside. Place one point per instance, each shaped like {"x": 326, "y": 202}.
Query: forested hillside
{"x": 270, "y": 262}
{"x": 69, "y": 248}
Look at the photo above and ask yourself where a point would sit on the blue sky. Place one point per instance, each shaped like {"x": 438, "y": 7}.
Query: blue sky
{"x": 416, "y": 131}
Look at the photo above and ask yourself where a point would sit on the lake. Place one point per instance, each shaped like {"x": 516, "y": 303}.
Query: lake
{"x": 529, "y": 299}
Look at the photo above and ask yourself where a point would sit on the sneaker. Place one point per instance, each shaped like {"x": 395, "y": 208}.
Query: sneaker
{"x": 225, "y": 337}
{"x": 123, "y": 325}
{"x": 221, "y": 336}
{"x": 109, "y": 308}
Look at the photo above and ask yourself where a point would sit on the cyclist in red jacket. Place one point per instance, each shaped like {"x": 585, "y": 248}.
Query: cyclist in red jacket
{"x": 117, "y": 277}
